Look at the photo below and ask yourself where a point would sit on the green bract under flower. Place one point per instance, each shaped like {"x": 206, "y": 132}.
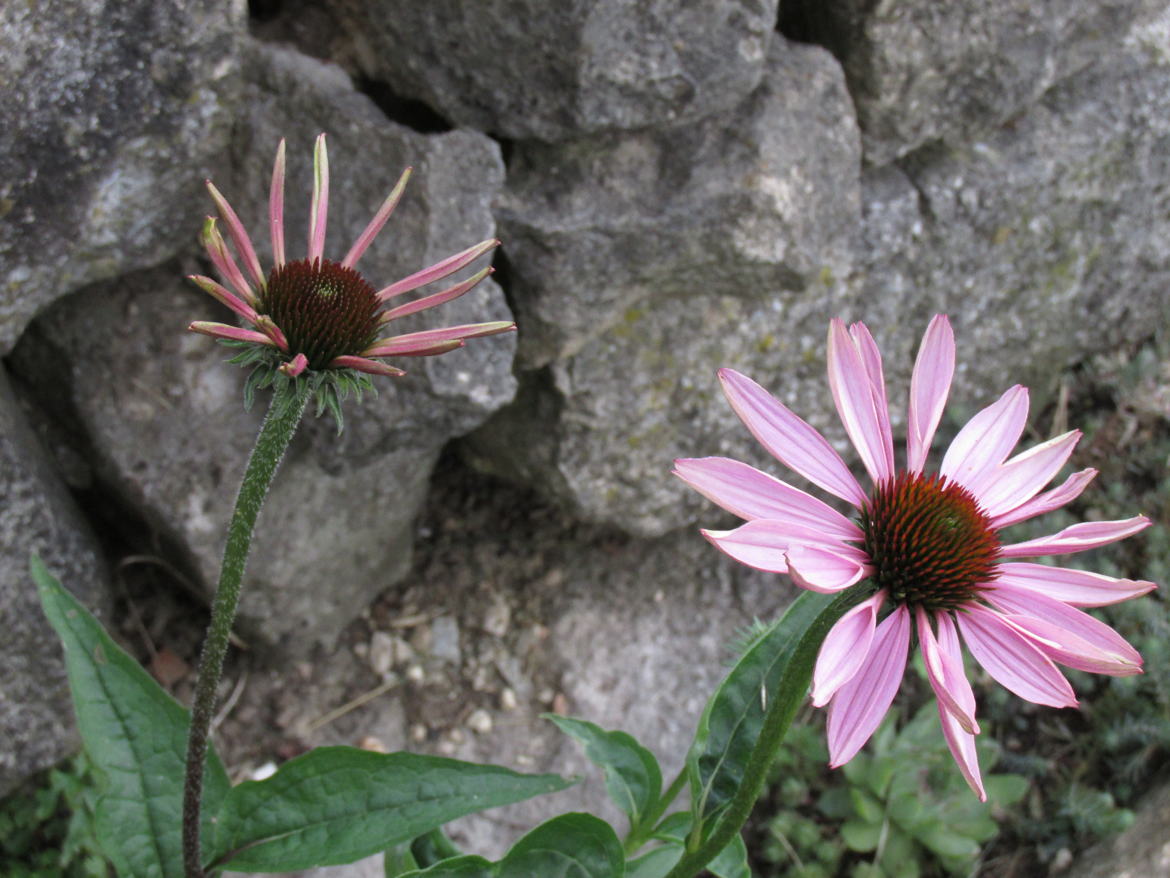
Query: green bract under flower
{"x": 316, "y": 319}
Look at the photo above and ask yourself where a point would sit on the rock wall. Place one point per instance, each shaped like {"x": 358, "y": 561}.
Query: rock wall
{"x": 678, "y": 186}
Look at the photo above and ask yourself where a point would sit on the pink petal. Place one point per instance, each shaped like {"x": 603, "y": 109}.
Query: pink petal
{"x": 1046, "y": 502}
{"x": 761, "y": 543}
{"x": 826, "y": 570}
{"x": 788, "y": 438}
{"x": 415, "y": 342}
{"x": 844, "y": 649}
{"x": 276, "y": 207}
{"x": 872, "y": 359}
{"x": 962, "y": 747}
{"x": 853, "y": 393}
{"x": 222, "y": 330}
{"x": 264, "y": 324}
{"x": 988, "y": 438}
{"x": 859, "y": 705}
{"x": 371, "y": 231}
{"x": 222, "y": 259}
{"x": 1017, "y": 481}
{"x": 319, "y": 206}
{"x": 1012, "y": 659}
{"x": 1080, "y": 588}
{"x": 434, "y": 299}
{"x": 745, "y": 491}
{"x": 438, "y": 271}
{"x": 373, "y": 367}
{"x": 929, "y": 386}
{"x": 295, "y": 366}
{"x": 1077, "y": 538}
{"x": 222, "y": 294}
{"x": 944, "y": 670}
{"x": 239, "y": 236}
{"x": 1066, "y": 634}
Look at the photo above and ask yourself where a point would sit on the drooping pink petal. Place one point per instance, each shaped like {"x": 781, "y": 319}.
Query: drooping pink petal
{"x": 988, "y": 438}
{"x": 1021, "y": 478}
{"x": 944, "y": 670}
{"x": 265, "y": 324}
{"x": 440, "y": 298}
{"x": 745, "y": 491}
{"x": 762, "y": 543}
{"x": 1012, "y": 659}
{"x": 371, "y": 231}
{"x": 373, "y": 367}
{"x": 871, "y": 358}
{"x": 853, "y": 394}
{"x": 788, "y": 438}
{"x": 826, "y": 569}
{"x": 222, "y": 259}
{"x": 1048, "y": 501}
{"x": 319, "y": 206}
{"x": 962, "y": 747}
{"x": 1077, "y": 538}
{"x": 438, "y": 271}
{"x": 239, "y": 236}
{"x": 844, "y": 649}
{"x": 1079, "y": 588}
{"x": 859, "y": 705}
{"x": 225, "y": 296}
{"x": 222, "y": 330}
{"x": 1066, "y": 634}
{"x": 276, "y": 208}
{"x": 929, "y": 387}
{"x": 295, "y": 366}
{"x": 415, "y": 342}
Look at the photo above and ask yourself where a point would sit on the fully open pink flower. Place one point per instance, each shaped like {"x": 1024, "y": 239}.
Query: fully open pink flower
{"x": 317, "y": 314}
{"x": 927, "y": 544}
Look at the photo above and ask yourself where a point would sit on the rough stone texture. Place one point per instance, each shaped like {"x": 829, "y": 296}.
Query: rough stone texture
{"x": 1142, "y": 851}
{"x": 112, "y": 114}
{"x": 534, "y": 69}
{"x": 161, "y": 411}
{"x": 923, "y": 70}
{"x": 36, "y": 714}
{"x": 1044, "y": 241}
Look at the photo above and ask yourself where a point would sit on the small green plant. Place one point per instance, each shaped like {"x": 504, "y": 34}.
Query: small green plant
{"x": 908, "y": 809}
{"x": 47, "y": 827}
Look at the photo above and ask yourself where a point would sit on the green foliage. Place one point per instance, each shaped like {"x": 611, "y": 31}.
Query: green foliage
{"x": 47, "y": 828}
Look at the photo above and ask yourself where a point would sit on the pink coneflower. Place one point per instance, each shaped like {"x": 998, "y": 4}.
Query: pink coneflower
{"x": 316, "y": 314}
{"x": 928, "y": 543}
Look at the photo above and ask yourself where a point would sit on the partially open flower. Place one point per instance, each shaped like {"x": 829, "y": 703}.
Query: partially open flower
{"x": 926, "y": 546}
{"x": 315, "y": 315}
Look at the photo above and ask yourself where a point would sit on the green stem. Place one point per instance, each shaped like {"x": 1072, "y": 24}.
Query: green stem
{"x": 650, "y": 819}
{"x": 284, "y": 414}
{"x": 790, "y": 693}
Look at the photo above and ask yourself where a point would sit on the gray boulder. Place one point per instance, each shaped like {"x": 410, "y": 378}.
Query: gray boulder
{"x": 551, "y": 71}
{"x": 113, "y": 113}
{"x": 923, "y": 70}
{"x": 161, "y": 411}
{"x": 36, "y": 713}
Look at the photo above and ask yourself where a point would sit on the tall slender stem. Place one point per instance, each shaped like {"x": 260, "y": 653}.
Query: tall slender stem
{"x": 284, "y": 414}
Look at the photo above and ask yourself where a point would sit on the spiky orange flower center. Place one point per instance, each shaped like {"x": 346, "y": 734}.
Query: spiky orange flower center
{"x": 324, "y": 309}
{"x": 929, "y": 542}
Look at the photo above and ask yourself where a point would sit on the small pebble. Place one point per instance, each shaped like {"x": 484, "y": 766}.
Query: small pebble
{"x": 415, "y": 673}
{"x": 480, "y": 722}
{"x": 374, "y": 745}
{"x": 418, "y": 733}
{"x": 380, "y": 654}
{"x": 508, "y": 699}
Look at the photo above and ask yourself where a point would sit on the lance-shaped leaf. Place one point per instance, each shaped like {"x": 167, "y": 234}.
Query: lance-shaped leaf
{"x": 336, "y": 805}
{"x": 135, "y": 734}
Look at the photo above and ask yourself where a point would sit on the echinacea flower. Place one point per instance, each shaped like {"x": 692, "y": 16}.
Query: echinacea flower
{"x": 316, "y": 315}
{"x": 928, "y": 543}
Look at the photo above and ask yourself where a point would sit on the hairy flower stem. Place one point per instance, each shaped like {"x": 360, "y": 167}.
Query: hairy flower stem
{"x": 284, "y": 414}
{"x": 789, "y": 694}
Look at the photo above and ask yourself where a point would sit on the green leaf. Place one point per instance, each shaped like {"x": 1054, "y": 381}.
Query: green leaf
{"x": 632, "y": 776}
{"x": 946, "y": 842}
{"x": 398, "y": 861}
{"x": 135, "y": 735}
{"x": 336, "y": 805}
{"x": 1005, "y": 789}
{"x": 731, "y": 862}
{"x": 569, "y": 846}
{"x": 778, "y": 665}
{"x": 433, "y": 847}
{"x": 656, "y": 863}
{"x": 860, "y": 836}
{"x": 460, "y": 867}
{"x": 866, "y": 806}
